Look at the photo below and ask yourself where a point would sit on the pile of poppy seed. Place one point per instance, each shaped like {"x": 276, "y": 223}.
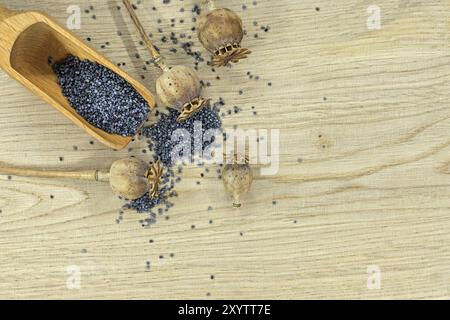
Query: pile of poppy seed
{"x": 193, "y": 129}
{"x": 161, "y": 144}
{"x": 99, "y": 95}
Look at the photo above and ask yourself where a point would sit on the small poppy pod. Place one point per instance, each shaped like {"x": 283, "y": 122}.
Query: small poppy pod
{"x": 220, "y": 31}
{"x": 237, "y": 178}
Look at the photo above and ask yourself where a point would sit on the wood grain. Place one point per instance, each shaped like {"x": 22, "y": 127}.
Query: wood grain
{"x": 31, "y": 39}
{"x": 363, "y": 180}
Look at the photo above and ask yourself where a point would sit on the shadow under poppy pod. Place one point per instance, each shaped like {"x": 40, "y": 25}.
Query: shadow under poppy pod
{"x": 220, "y": 31}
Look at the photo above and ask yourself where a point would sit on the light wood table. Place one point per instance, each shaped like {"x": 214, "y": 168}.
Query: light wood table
{"x": 364, "y": 179}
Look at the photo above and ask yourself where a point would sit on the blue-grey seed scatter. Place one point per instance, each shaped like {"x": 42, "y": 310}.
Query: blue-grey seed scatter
{"x": 103, "y": 98}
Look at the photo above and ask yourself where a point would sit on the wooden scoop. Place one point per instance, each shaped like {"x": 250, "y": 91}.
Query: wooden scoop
{"x": 28, "y": 40}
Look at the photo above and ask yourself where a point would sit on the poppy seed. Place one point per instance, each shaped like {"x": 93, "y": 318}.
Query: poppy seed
{"x": 103, "y": 98}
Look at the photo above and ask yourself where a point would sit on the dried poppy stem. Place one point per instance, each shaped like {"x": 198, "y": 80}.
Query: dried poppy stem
{"x": 157, "y": 58}
{"x": 178, "y": 87}
{"x": 86, "y": 175}
{"x": 131, "y": 178}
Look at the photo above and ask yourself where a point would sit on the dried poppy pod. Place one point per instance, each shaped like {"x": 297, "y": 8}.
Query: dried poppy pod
{"x": 132, "y": 178}
{"x": 178, "y": 87}
{"x": 237, "y": 179}
{"x": 220, "y": 31}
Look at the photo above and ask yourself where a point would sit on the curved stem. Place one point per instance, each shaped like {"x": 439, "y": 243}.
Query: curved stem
{"x": 88, "y": 175}
{"x": 208, "y": 4}
{"x": 157, "y": 58}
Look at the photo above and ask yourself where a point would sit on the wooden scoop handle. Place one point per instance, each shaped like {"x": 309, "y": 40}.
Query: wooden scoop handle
{"x": 89, "y": 175}
{"x": 150, "y": 47}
